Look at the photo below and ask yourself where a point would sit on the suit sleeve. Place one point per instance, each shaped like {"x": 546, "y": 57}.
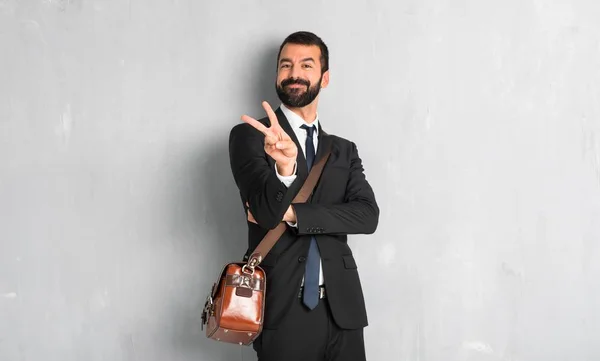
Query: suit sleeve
{"x": 256, "y": 179}
{"x": 358, "y": 214}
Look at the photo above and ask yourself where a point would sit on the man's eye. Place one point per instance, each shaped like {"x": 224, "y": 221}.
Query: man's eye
{"x": 307, "y": 66}
{"x": 285, "y": 66}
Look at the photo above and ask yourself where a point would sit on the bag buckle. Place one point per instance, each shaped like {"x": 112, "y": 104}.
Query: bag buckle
{"x": 253, "y": 261}
{"x": 245, "y": 269}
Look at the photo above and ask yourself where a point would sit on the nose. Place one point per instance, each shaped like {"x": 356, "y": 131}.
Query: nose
{"x": 295, "y": 73}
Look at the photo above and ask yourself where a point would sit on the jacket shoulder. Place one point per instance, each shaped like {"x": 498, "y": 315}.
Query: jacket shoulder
{"x": 342, "y": 143}
{"x": 246, "y": 129}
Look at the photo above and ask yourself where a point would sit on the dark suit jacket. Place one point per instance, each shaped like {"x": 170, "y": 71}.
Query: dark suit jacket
{"x": 342, "y": 203}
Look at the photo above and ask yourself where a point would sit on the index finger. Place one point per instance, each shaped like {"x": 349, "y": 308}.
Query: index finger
{"x": 256, "y": 124}
{"x": 270, "y": 114}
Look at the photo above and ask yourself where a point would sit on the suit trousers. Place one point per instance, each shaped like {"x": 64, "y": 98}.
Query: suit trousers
{"x": 306, "y": 335}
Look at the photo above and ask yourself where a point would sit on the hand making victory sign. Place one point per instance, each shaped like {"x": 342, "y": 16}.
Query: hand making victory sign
{"x": 280, "y": 147}
{"x": 278, "y": 143}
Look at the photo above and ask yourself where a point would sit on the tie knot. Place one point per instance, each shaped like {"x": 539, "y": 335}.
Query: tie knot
{"x": 309, "y": 130}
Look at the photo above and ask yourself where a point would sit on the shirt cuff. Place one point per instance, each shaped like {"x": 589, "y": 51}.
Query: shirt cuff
{"x": 287, "y": 180}
{"x": 293, "y": 225}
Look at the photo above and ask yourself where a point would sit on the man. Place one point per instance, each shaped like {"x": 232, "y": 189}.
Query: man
{"x": 314, "y": 309}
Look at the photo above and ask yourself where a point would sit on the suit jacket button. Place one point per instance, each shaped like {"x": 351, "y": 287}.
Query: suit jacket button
{"x": 301, "y": 259}
{"x": 279, "y": 196}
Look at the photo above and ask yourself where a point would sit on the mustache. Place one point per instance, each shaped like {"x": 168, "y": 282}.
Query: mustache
{"x": 290, "y": 81}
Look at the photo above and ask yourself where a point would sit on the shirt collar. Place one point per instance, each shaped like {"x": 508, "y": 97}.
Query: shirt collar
{"x": 296, "y": 121}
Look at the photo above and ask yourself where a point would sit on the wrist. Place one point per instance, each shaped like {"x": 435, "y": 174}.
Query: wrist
{"x": 290, "y": 215}
{"x": 286, "y": 169}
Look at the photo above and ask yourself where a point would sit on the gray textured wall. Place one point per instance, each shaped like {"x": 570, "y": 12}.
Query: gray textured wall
{"x": 478, "y": 122}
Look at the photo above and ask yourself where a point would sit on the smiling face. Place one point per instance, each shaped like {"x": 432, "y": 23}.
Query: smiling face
{"x": 299, "y": 75}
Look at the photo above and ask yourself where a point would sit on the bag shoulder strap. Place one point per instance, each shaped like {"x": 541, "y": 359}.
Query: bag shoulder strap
{"x": 274, "y": 234}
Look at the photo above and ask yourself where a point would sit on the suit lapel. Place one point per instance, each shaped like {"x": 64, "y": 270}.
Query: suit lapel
{"x": 325, "y": 141}
{"x": 300, "y": 159}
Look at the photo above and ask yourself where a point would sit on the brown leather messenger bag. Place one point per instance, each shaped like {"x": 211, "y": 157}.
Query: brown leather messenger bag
{"x": 234, "y": 308}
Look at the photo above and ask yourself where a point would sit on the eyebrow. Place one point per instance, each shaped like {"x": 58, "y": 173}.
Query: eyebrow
{"x": 290, "y": 60}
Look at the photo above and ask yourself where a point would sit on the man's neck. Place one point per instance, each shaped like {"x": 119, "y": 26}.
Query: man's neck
{"x": 308, "y": 113}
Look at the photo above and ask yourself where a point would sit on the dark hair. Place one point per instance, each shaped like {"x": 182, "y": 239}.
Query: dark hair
{"x": 307, "y": 38}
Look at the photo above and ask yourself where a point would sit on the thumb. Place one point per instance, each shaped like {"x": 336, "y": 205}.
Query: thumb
{"x": 285, "y": 144}
{"x": 287, "y": 147}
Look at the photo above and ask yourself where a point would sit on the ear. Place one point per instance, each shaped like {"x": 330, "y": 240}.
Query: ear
{"x": 325, "y": 80}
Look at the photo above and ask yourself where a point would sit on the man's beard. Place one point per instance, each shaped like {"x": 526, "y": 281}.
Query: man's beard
{"x": 297, "y": 97}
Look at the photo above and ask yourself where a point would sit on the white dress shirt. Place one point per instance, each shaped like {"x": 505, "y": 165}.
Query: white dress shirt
{"x": 296, "y": 122}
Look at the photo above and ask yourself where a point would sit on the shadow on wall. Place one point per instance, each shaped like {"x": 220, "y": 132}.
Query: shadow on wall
{"x": 209, "y": 220}
{"x": 266, "y": 75}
